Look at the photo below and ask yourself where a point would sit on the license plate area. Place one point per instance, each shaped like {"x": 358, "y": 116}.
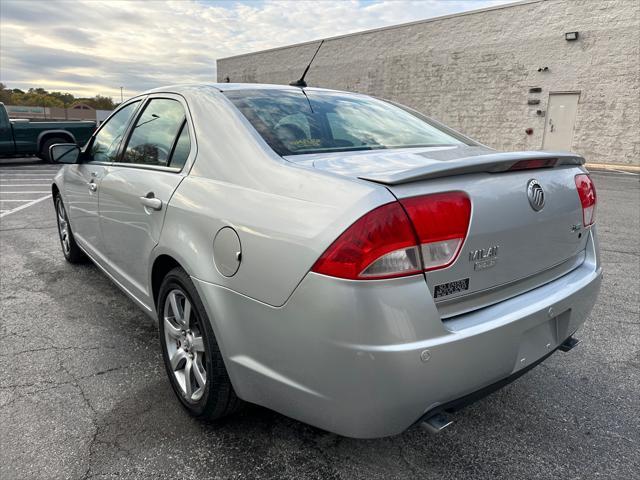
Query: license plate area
{"x": 542, "y": 339}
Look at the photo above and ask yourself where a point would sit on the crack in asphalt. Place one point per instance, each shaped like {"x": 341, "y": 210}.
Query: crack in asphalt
{"x": 54, "y": 348}
{"x": 94, "y": 416}
{"x": 405, "y": 459}
{"x": 23, "y": 394}
{"x": 84, "y": 377}
{"x": 629, "y": 322}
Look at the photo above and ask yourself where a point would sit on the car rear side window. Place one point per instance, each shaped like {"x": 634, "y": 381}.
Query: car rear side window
{"x": 155, "y": 134}
{"x": 182, "y": 148}
{"x": 107, "y": 141}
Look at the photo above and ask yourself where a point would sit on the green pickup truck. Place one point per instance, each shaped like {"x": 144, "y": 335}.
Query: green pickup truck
{"x": 23, "y": 137}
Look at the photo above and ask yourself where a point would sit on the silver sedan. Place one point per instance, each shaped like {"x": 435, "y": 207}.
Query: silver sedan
{"x": 338, "y": 258}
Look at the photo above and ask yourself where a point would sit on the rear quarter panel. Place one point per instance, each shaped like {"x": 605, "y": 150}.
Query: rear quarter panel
{"x": 285, "y": 215}
{"x": 281, "y": 235}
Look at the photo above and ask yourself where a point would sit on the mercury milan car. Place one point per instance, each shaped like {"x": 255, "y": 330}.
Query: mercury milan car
{"x": 340, "y": 259}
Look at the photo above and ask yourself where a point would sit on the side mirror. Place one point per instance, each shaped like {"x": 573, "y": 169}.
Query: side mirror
{"x": 64, "y": 153}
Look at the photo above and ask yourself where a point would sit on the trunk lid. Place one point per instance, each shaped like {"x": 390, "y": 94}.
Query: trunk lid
{"x": 511, "y": 246}
{"x": 399, "y": 166}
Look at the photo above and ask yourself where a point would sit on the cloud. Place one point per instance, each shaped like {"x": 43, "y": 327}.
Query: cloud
{"x": 93, "y": 47}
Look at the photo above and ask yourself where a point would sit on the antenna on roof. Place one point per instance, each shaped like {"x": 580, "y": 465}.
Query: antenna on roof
{"x": 301, "y": 83}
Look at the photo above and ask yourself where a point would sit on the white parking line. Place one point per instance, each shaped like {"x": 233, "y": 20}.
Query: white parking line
{"x": 21, "y": 171}
{"x": 34, "y": 179}
{"x": 22, "y": 207}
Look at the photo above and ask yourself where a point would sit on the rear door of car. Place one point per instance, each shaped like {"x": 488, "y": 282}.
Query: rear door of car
{"x": 138, "y": 186}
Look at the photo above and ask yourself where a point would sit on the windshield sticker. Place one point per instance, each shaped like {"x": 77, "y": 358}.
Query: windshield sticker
{"x": 305, "y": 143}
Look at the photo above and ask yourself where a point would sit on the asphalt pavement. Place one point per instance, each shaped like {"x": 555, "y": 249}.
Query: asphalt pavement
{"x": 24, "y": 182}
{"x": 84, "y": 394}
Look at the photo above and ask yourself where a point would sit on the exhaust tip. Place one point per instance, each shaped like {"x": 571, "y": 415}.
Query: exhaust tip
{"x": 568, "y": 344}
{"x": 436, "y": 423}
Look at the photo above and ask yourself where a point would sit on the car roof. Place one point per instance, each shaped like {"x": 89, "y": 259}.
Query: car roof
{"x": 223, "y": 87}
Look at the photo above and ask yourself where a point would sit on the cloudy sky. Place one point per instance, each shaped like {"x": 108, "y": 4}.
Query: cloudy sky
{"x": 90, "y": 47}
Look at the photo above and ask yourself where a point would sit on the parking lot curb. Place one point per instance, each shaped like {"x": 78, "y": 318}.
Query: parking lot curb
{"x": 613, "y": 166}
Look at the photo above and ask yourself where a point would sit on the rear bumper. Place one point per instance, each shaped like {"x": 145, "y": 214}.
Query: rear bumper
{"x": 368, "y": 359}
{"x": 462, "y": 402}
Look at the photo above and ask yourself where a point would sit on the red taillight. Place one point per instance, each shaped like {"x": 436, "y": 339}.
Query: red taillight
{"x": 441, "y": 221}
{"x": 383, "y": 243}
{"x": 587, "y": 193}
{"x": 380, "y": 244}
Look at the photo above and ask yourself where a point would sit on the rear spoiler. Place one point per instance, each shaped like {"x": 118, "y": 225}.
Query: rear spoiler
{"x": 491, "y": 163}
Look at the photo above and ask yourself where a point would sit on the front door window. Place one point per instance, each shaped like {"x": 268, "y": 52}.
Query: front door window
{"x": 107, "y": 141}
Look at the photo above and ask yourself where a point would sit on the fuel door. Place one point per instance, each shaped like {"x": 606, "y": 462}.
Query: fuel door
{"x": 227, "y": 251}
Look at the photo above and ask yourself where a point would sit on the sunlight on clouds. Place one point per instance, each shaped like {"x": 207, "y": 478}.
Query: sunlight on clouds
{"x": 87, "y": 89}
{"x": 93, "y": 47}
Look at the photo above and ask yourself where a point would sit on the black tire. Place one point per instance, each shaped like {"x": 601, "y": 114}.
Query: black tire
{"x": 70, "y": 249}
{"x": 219, "y": 398}
{"x": 44, "y": 149}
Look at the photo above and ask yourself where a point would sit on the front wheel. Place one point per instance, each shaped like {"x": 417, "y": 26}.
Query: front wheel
{"x": 70, "y": 248}
{"x": 191, "y": 354}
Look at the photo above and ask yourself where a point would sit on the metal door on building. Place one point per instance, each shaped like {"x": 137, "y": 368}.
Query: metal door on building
{"x": 561, "y": 117}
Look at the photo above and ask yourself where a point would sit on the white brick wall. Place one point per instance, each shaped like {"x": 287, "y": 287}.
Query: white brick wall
{"x": 473, "y": 71}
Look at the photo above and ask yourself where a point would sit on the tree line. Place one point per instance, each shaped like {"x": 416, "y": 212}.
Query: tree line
{"x": 39, "y": 97}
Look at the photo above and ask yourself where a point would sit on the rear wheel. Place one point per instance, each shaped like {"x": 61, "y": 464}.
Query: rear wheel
{"x": 70, "y": 248}
{"x": 44, "y": 149}
{"x": 191, "y": 354}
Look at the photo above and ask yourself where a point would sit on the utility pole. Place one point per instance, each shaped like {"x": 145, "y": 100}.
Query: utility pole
{"x": 121, "y": 97}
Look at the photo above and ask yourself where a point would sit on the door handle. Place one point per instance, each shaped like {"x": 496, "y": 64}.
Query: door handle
{"x": 92, "y": 186}
{"x": 151, "y": 202}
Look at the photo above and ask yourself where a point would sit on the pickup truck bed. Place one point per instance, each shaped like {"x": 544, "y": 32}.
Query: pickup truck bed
{"x": 24, "y": 137}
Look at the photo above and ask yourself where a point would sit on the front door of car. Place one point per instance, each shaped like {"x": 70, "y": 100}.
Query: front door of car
{"x": 82, "y": 180}
{"x": 135, "y": 193}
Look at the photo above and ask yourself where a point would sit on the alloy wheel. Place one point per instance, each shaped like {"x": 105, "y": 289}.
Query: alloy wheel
{"x": 185, "y": 345}
{"x": 63, "y": 227}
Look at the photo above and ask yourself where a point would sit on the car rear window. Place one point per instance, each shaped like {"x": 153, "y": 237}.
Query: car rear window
{"x": 310, "y": 121}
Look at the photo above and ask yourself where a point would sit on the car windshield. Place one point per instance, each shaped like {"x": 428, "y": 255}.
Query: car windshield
{"x": 311, "y": 121}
